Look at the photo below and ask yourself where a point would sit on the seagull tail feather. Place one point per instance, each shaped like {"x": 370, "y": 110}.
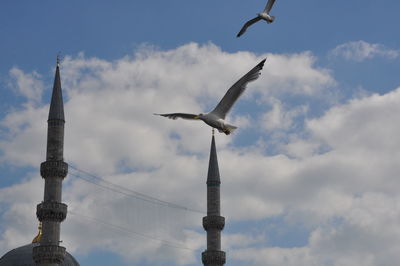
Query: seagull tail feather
{"x": 229, "y": 129}
{"x": 269, "y": 21}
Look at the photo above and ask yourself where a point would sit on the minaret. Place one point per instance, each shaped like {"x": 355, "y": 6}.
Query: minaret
{"x": 51, "y": 212}
{"x": 213, "y": 223}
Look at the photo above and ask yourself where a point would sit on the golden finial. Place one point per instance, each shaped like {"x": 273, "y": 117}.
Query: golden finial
{"x": 39, "y": 235}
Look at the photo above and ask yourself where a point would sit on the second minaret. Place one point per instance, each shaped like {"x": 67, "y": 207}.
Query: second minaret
{"x": 213, "y": 223}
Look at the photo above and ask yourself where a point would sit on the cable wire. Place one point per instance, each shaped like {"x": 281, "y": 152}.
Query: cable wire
{"x": 127, "y": 192}
{"x": 125, "y": 230}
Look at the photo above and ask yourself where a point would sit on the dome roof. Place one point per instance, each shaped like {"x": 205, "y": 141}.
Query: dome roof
{"x": 22, "y": 256}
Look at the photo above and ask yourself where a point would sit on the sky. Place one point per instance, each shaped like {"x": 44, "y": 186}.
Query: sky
{"x": 309, "y": 178}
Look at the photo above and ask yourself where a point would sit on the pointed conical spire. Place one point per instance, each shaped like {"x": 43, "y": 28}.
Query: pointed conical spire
{"x": 57, "y": 105}
{"x": 213, "y": 170}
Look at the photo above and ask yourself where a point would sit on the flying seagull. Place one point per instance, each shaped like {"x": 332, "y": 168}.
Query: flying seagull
{"x": 263, "y": 15}
{"x": 216, "y": 118}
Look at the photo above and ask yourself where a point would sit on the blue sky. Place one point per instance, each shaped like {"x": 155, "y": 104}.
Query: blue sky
{"x": 308, "y": 178}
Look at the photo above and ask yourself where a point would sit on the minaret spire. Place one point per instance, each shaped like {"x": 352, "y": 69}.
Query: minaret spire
{"x": 213, "y": 223}
{"x": 56, "y": 105}
{"x": 51, "y": 212}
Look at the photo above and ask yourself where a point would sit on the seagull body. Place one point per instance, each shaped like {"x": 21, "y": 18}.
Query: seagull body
{"x": 260, "y": 16}
{"x": 216, "y": 118}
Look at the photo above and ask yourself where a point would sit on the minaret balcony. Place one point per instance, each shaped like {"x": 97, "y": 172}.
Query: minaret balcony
{"x": 54, "y": 169}
{"x": 48, "y": 254}
{"x": 213, "y": 257}
{"x": 213, "y": 222}
{"x": 51, "y": 211}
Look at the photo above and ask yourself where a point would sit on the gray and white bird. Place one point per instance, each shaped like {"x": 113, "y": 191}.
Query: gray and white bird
{"x": 216, "y": 118}
{"x": 261, "y": 16}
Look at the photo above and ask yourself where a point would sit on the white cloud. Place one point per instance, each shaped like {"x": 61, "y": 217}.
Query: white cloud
{"x": 19, "y": 129}
{"x": 345, "y": 194}
{"x": 18, "y": 221}
{"x": 275, "y": 256}
{"x": 27, "y": 85}
{"x": 301, "y": 148}
{"x": 279, "y": 118}
{"x": 296, "y": 74}
{"x": 361, "y": 50}
{"x": 364, "y": 124}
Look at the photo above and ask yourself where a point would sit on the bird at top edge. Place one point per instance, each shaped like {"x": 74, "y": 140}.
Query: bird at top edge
{"x": 260, "y": 16}
{"x": 216, "y": 118}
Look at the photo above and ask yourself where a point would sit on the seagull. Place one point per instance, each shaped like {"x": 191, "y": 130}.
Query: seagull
{"x": 263, "y": 15}
{"x": 216, "y": 118}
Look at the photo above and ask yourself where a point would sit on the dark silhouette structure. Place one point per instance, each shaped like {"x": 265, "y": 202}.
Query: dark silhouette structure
{"x": 213, "y": 223}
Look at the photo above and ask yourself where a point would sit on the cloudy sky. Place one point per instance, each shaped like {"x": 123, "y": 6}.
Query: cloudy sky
{"x": 308, "y": 179}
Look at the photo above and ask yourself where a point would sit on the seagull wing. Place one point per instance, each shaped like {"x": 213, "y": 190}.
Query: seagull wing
{"x": 248, "y": 24}
{"x": 268, "y": 6}
{"x": 236, "y": 90}
{"x": 175, "y": 116}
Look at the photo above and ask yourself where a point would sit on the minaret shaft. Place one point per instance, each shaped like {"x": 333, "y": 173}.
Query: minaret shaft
{"x": 52, "y": 232}
{"x": 55, "y": 140}
{"x": 51, "y": 212}
{"x": 213, "y": 239}
{"x": 52, "y": 189}
{"x": 213, "y": 223}
{"x": 213, "y": 200}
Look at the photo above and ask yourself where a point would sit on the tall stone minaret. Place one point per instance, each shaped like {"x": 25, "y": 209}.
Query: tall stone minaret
{"x": 213, "y": 223}
{"x": 51, "y": 212}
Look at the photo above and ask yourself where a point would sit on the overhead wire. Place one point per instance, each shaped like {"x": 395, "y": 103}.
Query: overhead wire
{"x": 125, "y": 191}
{"x": 104, "y": 184}
{"x": 125, "y": 230}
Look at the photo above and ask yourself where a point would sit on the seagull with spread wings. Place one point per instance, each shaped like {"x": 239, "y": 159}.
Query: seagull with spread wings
{"x": 261, "y": 16}
{"x": 216, "y": 118}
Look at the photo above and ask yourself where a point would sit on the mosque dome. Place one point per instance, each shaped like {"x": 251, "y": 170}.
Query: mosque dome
{"x": 22, "y": 256}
